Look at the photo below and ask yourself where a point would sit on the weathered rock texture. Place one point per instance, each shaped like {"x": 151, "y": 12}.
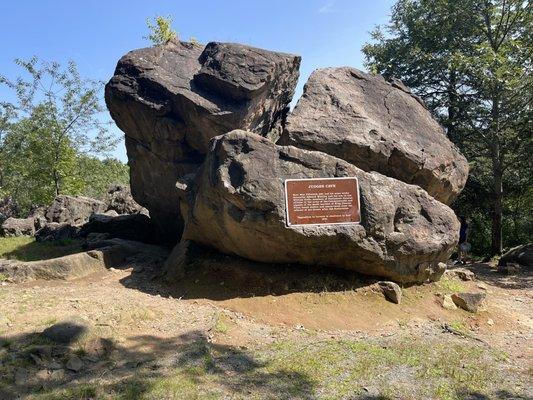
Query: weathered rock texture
{"x": 237, "y": 206}
{"x": 74, "y": 210}
{"x": 377, "y": 126}
{"x": 18, "y": 227}
{"x": 119, "y": 199}
{"x": 171, "y": 100}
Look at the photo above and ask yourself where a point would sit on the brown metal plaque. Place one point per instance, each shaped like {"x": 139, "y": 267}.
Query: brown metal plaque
{"x": 322, "y": 201}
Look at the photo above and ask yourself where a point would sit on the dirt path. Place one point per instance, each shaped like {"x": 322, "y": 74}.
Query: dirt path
{"x": 216, "y": 325}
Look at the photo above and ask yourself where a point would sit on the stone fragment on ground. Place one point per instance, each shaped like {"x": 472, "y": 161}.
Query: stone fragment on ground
{"x": 237, "y": 206}
{"x": 170, "y": 100}
{"x": 447, "y": 302}
{"x": 462, "y": 273}
{"x": 74, "y": 363}
{"x": 391, "y": 291}
{"x": 469, "y": 301}
{"x": 376, "y": 126}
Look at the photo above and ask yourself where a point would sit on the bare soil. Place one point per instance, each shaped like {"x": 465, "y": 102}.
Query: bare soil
{"x": 231, "y": 333}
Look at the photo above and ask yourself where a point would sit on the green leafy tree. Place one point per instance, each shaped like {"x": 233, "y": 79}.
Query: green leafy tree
{"x": 54, "y": 120}
{"x": 98, "y": 175}
{"x": 470, "y": 60}
{"x": 161, "y": 31}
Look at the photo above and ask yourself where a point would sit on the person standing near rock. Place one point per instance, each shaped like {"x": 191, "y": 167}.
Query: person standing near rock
{"x": 464, "y": 246}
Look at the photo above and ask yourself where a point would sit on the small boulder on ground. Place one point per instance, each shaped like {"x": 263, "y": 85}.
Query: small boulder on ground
{"x": 447, "y": 302}
{"x": 74, "y": 210}
{"x": 18, "y": 227}
{"x": 119, "y": 199}
{"x": 462, "y": 273}
{"x": 522, "y": 255}
{"x": 56, "y": 231}
{"x": 469, "y": 301}
{"x": 391, "y": 291}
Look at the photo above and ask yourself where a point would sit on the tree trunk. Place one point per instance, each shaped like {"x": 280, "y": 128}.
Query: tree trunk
{"x": 497, "y": 173}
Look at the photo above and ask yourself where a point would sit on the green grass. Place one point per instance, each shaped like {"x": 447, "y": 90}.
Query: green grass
{"x": 409, "y": 369}
{"x": 448, "y": 285}
{"x": 25, "y": 248}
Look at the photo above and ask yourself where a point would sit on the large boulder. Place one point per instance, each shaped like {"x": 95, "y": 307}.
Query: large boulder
{"x": 18, "y": 227}
{"x": 377, "y": 126}
{"x": 119, "y": 199}
{"x": 237, "y": 205}
{"x": 74, "y": 210}
{"x": 170, "y": 100}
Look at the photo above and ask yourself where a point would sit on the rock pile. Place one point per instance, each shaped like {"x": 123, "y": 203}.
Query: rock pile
{"x": 70, "y": 216}
{"x": 210, "y": 144}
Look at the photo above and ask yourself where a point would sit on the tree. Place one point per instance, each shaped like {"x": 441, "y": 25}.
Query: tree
{"x": 54, "y": 120}
{"x": 161, "y": 31}
{"x": 470, "y": 60}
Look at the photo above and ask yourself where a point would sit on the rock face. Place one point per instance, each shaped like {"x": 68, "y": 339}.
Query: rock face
{"x": 171, "y": 100}
{"x": 377, "y": 126}
{"x": 74, "y": 210}
{"x": 18, "y": 227}
{"x": 237, "y": 206}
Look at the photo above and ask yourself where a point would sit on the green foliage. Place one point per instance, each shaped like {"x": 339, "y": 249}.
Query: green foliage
{"x": 98, "y": 175}
{"x": 471, "y": 63}
{"x": 161, "y": 31}
{"x": 53, "y": 137}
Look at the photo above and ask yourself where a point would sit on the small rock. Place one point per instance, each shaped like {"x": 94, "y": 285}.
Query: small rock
{"x": 490, "y": 322}
{"x": 469, "y": 301}
{"x": 392, "y": 291}
{"x": 74, "y": 363}
{"x": 482, "y": 286}
{"x": 464, "y": 274}
{"x": 54, "y": 365}
{"x": 448, "y": 303}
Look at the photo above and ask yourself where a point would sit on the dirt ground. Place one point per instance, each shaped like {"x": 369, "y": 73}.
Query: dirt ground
{"x": 226, "y": 333}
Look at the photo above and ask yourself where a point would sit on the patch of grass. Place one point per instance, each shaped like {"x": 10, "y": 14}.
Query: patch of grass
{"x": 48, "y": 321}
{"x": 220, "y": 324}
{"x": 25, "y": 248}
{"x": 410, "y": 368}
{"x": 449, "y": 285}
{"x": 3, "y": 277}
{"x": 81, "y": 392}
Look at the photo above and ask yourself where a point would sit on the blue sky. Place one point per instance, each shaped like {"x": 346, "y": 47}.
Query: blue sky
{"x": 95, "y": 34}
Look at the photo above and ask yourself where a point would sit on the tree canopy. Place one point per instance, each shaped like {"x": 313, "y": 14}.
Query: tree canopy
{"x": 53, "y": 136}
{"x": 470, "y": 60}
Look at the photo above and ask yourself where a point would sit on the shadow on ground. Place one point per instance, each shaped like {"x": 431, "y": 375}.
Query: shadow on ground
{"x": 187, "y": 365}
{"x": 214, "y": 276}
{"x": 35, "y": 251}
{"x": 489, "y": 274}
